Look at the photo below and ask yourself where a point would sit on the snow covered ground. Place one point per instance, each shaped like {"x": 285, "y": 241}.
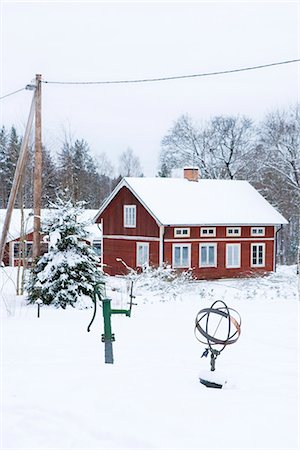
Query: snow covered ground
{"x": 57, "y": 393}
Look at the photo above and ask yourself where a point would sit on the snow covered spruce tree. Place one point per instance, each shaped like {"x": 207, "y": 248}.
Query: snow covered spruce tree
{"x": 69, "y": 269}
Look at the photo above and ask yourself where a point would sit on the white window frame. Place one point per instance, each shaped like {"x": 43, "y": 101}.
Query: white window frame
{"x": 237, "y": 265}
{"x": 98, "y": 242}
{"x": 208, "y": 232}
{"x": 129, "y": 223}
{"x": 178, "y": 232}
{"x": 181, "y": 266}
{"x": 256, "y": 244}
{"x": 258, "y": 231}
{"x": 236, "y": 231}
{"x": 144, "y": 245}
{"x": 208, "y": 244}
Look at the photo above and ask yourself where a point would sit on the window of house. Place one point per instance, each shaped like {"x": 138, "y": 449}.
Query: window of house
{"x": 210, "y": 232}
{"x": 257, "y": 231}
{"x": 142, "y": 254}
{"x": 233, "y": 255}
{"x": 18, "y": 250}
{"x": 129, "y": 216}
{"x": 181, "y": 232}
{"x": 28, "y": 250}
{"x": 257, "y": 255}
{"x": 233, "y": 231}
{"x": 97, "y": 248}
{"x": 181, "y": 255}
{"x": 208, "y": 255}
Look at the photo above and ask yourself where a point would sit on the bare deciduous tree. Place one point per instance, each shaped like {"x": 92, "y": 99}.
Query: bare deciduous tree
{"x": 279, "y": 173}
{"x": 221, "y": 148}
{"x": 130, "y": 164}
{"x": 280, "y": 138}
{"x": 232, "y": 145}
{"x": 184, "y": 145}
{"x": 104, "y": 166}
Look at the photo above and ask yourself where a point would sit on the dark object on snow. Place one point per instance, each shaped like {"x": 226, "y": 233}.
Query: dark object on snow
{"x": 39, "y": 304}
{"x": 210, "y": 384}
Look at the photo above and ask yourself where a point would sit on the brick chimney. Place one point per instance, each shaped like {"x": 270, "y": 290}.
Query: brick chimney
{"x": 191, "y": 173}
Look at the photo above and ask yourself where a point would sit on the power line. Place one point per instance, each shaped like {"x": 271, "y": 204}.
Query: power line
{"x": 12, "y": 93}
{"x": 149, "y": 80}
{"x": 176, "y": 77}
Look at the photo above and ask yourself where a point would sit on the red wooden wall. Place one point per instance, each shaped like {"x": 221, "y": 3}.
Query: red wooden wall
{"x": 113, "y": 217}
{"x": 221, "y": 271}
{"x": 114, "y": 248}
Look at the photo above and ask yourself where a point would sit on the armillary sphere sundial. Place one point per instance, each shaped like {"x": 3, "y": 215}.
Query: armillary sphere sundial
{"x": 216, "y": 327}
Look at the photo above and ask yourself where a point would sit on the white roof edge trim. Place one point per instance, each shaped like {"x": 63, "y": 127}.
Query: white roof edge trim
{"x": 227, "y": 224}
{"x": 124, "y": 183}
{"x": 109, "y": 198}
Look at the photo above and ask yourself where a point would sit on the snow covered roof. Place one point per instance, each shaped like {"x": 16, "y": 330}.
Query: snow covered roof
{"x": 15, "y": 224}
{"x": 94, "y": 231}
{"x": 177, "y": 201}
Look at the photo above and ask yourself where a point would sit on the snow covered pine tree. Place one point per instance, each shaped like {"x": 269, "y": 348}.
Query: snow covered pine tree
{"x": 69, "y": 270}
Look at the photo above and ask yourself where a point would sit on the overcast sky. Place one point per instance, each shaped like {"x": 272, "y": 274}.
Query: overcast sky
{"x": 94, "y": 41}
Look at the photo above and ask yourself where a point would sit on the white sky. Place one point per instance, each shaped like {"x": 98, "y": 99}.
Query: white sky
{"x": 93, "y": 41}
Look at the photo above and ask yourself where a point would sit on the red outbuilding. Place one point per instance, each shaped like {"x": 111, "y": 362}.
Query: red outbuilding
{"x": 216, "y": 228}
{"x": 18, "y": 248}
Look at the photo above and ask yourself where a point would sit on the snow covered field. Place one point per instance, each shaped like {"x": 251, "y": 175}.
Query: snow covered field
{"x": 57, "y": 393}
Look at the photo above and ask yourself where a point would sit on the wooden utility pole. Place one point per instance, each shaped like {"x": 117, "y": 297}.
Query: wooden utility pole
{"x": 298, "y": 262}
{"x": 37, "y": 184}
{"x": 17, "y": 179}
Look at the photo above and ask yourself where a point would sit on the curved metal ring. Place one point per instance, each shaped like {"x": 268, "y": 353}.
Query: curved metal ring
{"x": 224, "y": 312}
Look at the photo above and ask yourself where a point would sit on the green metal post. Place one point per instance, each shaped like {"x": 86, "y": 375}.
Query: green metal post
{"x": 106, "y": 316}
{"x": 127, "y": 312}
{"x": 107, "y": 337}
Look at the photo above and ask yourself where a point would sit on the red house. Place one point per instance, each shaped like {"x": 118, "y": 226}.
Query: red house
{"x": 216, "y": 228}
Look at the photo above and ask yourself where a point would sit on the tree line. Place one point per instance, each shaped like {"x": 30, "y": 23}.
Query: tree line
{"x": 73, "y": 170}
{"x": 267, "y": 154}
